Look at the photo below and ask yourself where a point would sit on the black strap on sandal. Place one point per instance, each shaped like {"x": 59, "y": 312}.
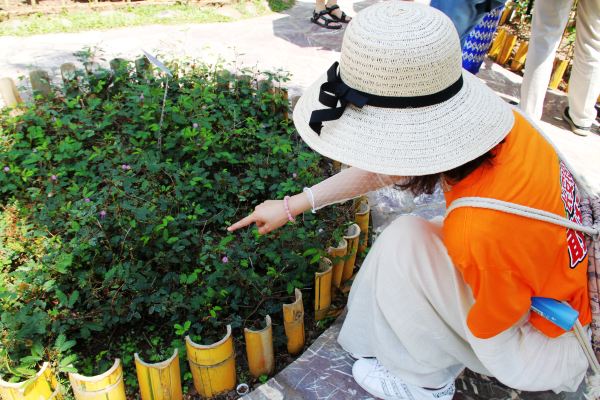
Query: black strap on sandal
{"x": 345, "y": 19}
{"x": 329, "y": 21}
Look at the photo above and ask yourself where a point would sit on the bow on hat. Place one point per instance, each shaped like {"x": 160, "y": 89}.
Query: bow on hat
{"x": 332, "y": 92}
{"x": 335, "y": 90}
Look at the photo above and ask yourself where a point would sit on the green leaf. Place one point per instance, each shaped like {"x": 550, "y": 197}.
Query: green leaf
{"x": 73, "y": 298}
{"x": 62, "y": 298}
{"x": 63, "y": 262}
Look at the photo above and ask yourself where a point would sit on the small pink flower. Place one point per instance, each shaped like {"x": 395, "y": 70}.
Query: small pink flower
{"x": 126, "y": 167}
{"x": 87, "y": 200}
{"x": 102, "y": 214}
{"x": 54, "y": 178}
{"x": 195, "y": 125}
{"x": 225, "y": 260}
{"x": 294, "y": 175}
{"x": 142, "y": 97}
{"x": 6, "y": 169}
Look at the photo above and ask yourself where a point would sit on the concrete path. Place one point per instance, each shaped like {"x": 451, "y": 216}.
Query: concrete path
{"x": 284, "y": 40}
{"x": 287, "y": 40}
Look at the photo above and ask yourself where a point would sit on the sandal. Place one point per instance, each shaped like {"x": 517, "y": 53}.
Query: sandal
{"x": 329, "y": 22}
{"x": 345, "y": 19}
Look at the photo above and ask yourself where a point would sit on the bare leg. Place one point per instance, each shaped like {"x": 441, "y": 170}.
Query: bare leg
{"x": 338, "y": 11}
{"x": 322, "y": 20}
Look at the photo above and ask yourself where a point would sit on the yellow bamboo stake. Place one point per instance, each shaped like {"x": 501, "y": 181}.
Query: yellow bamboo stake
{"x": 362, "y": 220}
{"x": 159, "y": 381}
{"x": 519, "y": 59}
{"x": 106, "y": 386}
{"x": 293, "y": 323}
{"x": 212, "y": 366}
{"x": 560, "y": 66}
{"x": 351, "y": 236}
{"x": 323, "y": 289}
{"x": 259, "y": 349}
{"x": 507, "y": 11}
{"x": 507, "y": 48}
{"x": 43, "y": 386}
{"x": 337, "y": 255}
{"x": 497, "y": 43}
{"x": 9, "y": 92}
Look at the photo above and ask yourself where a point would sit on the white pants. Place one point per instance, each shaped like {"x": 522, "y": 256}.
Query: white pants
{"x": 408, "y": 307}
{"x": 549, "y": 20}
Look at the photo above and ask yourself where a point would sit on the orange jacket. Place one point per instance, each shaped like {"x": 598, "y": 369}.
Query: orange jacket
{"x": 507, "y": 259}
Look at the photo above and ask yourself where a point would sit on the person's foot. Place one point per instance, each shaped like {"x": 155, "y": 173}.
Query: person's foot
{"x": 578, "y": 130}
{"x": 379, "y": 382}
{"x": 337, "y": 14}
{"x": 325, "y": 20}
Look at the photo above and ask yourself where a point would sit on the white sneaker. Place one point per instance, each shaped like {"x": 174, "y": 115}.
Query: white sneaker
{"x": 378, "y": 381}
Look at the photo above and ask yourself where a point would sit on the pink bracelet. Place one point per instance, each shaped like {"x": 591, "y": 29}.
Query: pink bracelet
{"x": 287, "y": 208}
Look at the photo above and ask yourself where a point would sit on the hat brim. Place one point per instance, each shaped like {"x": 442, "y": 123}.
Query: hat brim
{"x": 410, "y": 141}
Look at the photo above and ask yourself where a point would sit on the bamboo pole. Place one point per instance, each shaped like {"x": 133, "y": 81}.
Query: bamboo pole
{"x": 159, "y": 381}
{"x": 323, "y": 289}
{"x": 106, "y": 386}
{"x": 259, "y": 349}
{"x": 519, "y": 59}
{"x": 362, "y": 219}
{"x": 560, "y": 66}
{"x": 497, "y": 43}
{"x": 42, "y": 386}
{"x": 293, "y": 324}
{"x": 507, "y": 11}
{"x": 212, "y": 366}
{"x": 509, "y": 43}
{"x": 351, "y": 236}
{"x": 338, "y": 257}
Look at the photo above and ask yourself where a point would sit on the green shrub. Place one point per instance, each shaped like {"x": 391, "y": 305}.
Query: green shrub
{"x": 118, "y": 244}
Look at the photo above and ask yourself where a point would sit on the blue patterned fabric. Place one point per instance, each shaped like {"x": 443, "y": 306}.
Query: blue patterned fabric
{"x": 479, "y": 40}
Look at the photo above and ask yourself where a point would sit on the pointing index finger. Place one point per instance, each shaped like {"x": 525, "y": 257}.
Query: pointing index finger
{"x": 242, "y": 223}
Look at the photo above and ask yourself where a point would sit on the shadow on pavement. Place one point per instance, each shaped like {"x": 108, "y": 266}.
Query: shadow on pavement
{"x": 297, "y": 28}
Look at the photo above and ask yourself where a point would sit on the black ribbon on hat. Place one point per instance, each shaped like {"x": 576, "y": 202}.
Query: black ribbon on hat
{"x": 335, "y": 90}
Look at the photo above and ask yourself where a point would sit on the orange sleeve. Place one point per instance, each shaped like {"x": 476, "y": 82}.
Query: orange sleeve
{"x": 501, "y": 299}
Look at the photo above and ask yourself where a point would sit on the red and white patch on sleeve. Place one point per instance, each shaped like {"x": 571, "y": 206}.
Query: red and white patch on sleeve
{"x": 570, "y": 198}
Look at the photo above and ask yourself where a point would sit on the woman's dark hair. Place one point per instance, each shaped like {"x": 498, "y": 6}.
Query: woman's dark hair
{"x": 426, "y": 183}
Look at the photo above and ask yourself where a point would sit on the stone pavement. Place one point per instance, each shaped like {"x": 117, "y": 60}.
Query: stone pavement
{"x": 324, "y": 372}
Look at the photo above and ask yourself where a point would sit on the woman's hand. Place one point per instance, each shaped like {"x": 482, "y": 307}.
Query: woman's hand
{"x": 271, "y": 214}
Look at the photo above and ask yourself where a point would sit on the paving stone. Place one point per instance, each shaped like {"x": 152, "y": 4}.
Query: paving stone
{"x": 324, "y": 371}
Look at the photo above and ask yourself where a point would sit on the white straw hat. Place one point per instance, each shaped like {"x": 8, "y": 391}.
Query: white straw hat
{"x": 405, "y": 110}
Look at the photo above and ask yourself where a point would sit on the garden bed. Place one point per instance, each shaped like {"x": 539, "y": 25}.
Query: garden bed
{"x": 114, "y": 200}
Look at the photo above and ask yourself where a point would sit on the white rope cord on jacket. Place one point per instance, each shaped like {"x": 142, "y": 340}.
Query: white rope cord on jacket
{"x": 518, "y": 209}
